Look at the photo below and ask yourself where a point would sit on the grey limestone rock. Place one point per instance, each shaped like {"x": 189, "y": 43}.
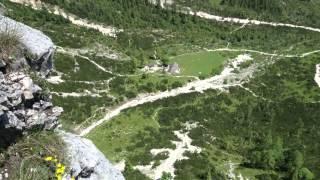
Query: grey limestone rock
{"x": 39, "y": 48}
{"x": 22, "y": 106}
{"x": 86, "y": 161}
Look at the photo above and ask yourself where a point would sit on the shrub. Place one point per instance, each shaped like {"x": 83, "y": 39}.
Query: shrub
{"x": 28, "y": 158}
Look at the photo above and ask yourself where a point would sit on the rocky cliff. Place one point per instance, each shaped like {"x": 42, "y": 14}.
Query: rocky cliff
{"x": 87, "y": 161}
{"x": 25, "y": 108}
{"x": 36, "y": 48}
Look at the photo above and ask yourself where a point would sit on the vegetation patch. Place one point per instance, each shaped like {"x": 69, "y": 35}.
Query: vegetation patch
{"x": 115, "y": 138}
{"x": 264, "y": 135}
{"x": 27, "y": 159}
{"x": 200, "y": 63}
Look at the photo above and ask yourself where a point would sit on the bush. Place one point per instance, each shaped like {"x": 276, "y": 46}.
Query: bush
{"x": 26, "y": 159}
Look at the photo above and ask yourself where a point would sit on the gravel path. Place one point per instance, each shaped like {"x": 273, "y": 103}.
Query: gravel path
{"x": 215, "y": 82}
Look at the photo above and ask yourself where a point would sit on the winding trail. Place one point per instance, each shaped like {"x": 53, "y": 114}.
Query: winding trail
{"x": 317, "y": 75}
{"x": 215, "y": 82}
{"x": 205, "y": 15}
{"x": 195, "y": 86}
{"x": 37, "y": 5}
{"x": 264, "y": 53}
{"x": 71, "y": 53}
{"x": 208, "y": 16}
{"x": 76, "y": 94}
{"x": 111, "y": 31}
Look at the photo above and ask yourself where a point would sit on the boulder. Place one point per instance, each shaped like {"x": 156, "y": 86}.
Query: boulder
{"x": 38, "y": 48}
{"x": 86, "y": 161}
{"x": 22, "y": 107}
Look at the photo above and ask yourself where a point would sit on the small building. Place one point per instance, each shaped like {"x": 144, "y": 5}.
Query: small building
{"x": 173, "y": 68}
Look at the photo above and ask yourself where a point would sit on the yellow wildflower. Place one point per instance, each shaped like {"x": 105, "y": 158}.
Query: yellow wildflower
{"x": 60, "y": 168}
{"x": 49, "y": 158}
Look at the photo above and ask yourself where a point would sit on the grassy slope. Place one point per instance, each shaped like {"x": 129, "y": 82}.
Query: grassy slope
{"x": 113, "y": 138}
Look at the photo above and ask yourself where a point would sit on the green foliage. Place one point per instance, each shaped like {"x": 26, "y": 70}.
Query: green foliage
{"x": 132, "y": 174}
{"x": 285, "y": 106}
{"x": 197, "y": 167}
{"x": 166, "y": 176}
{"x": 253, "y": 128}
{"x": 267, "y": 154}
{"x": 302, "y": 12}
{"x": 257, "y": 5}
{"x": 25, "y": 159}
{"x": 78, "y": 110}
{"x": 305, "y": 174}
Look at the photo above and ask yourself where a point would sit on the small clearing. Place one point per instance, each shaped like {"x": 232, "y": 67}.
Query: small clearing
{"x": 200, "y": 63}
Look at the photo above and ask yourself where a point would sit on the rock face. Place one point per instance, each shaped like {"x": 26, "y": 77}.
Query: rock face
{"x": 86, "y": 162}
{"x": 38, "y": 48}
{"x": 23, "y": 107}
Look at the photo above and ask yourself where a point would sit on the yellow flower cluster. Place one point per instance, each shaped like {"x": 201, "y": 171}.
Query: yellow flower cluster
{"x": 60, "y": 168}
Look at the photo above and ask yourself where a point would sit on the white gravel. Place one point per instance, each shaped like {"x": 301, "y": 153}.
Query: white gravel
{"x": 317, "y": 75}
{"x": 163, "y": 3}
{"x": 120, "y": 165}
{"x": 55, "y": 79}
{"x": 167, "y": 165}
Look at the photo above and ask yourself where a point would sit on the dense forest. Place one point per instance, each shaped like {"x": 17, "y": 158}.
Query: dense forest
{"x": 270, "y": 5}
{"x": 301, "y": 12}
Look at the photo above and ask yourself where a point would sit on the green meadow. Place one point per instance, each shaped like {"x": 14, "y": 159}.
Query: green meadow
{"x": 201, "y": 63}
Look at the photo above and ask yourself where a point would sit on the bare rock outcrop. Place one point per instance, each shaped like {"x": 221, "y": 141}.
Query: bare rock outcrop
{"x": 38, "y": 49}
{"x": 23, "y": 107}
{"x": 86, "y": 161}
